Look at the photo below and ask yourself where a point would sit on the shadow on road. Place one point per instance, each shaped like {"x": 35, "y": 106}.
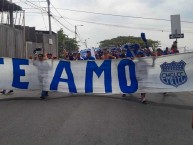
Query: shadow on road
{"x": 130, "y": 98}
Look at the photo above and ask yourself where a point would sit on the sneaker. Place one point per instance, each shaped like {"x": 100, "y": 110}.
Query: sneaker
{"x": 47, "y": 93}
{"x": 143, "y": 100}
{"x": 124, "y": 95}
{"x": 42, "y": 98}
{"x": 3, "y": 92}
{"x": 11, "y": 91}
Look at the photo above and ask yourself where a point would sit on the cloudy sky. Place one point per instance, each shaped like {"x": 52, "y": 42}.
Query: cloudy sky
{"x": 128, "y": 18}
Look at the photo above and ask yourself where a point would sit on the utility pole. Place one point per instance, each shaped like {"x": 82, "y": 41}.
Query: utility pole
{"x": 86, "y": 42}
{"x": 49, "y": 17}
{"x": 75, "y": 31}
{"x": 50, "y": 29}
{"x": 24, "y": 39}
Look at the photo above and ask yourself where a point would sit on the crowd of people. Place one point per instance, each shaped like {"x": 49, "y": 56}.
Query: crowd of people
{"x": 102, "y": 54}
{"x": 117, "y": 53}
{"x": 127, "y": 51}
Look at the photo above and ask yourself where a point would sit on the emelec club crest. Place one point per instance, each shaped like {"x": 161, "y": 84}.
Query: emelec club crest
{"x": 173, "y": 73}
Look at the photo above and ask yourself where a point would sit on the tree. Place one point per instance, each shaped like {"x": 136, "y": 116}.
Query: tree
{"x": 64, "y": 42}
{"x": 121, "y": 40}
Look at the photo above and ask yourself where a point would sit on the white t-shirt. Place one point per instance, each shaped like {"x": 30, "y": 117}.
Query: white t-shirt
{"x": 43, "y": 66}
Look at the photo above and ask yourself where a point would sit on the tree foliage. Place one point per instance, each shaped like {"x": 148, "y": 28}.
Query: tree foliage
{"x": 64, "y": 42}
{"x": 121, "y": 40}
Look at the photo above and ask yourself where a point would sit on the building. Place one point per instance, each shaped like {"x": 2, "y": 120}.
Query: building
{"x": 40, "y": 40}
{"x": 20, "y": 41}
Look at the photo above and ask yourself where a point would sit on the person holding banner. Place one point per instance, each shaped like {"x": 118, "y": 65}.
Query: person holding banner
{"x": 43, "y": 68}
{"x": 78, "y": 57}
{"x": 122, "y": 54}
{"x": 65, "y": 55}
{"x": 49, "y": 56}
{"x": 142, "y": 64}
{"x": 89, "y": 56}
{"x": 106, "y": 55}
{"x": 142, "y": 69}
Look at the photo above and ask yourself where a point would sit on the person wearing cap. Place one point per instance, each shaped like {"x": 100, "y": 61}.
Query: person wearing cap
{"x": 89, "y": 56}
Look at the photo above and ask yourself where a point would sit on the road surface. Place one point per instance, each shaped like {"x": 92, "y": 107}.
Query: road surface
{"x": 66, "y": 119}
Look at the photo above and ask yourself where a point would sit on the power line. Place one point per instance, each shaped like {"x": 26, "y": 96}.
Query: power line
{"x": 122, "y": 26}
{"x": 61, "y": 15}
{"x": 115, "y": 25}
{"x": 35, "y": 13}
{"x": 89, "y": 22}
{"x": 25, "y": 2}
{"x": 37, "y": 7}
{"x": 38, "y": 1}
{"x": 59, "y": 26}
{"x": 115, "y": 15}
{"x": 62, "y": 24}
{"x": 65, "y": 20}
{"x": 30, "y": 8}
{"x": 34, "y": 4}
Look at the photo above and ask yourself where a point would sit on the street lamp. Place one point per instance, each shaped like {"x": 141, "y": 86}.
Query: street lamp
{"x": 76, "y": 30}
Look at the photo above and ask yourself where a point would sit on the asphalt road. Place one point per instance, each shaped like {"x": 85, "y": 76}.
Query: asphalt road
{"x": 95, "y": 119}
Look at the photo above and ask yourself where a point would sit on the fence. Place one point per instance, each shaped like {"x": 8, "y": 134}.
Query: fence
{"x": 11, "y": 42}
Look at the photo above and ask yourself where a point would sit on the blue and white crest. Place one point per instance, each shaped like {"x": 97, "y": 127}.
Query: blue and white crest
{"x": 173, "y": 73}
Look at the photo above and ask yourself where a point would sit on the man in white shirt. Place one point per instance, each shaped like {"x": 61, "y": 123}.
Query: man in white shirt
{"x": 43, "y": 68}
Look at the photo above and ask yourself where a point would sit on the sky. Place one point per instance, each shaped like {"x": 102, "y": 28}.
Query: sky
{"x": 129, "y": 19}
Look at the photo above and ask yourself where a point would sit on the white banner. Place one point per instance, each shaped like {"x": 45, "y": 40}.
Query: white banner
{"x": 172, "y": 73}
